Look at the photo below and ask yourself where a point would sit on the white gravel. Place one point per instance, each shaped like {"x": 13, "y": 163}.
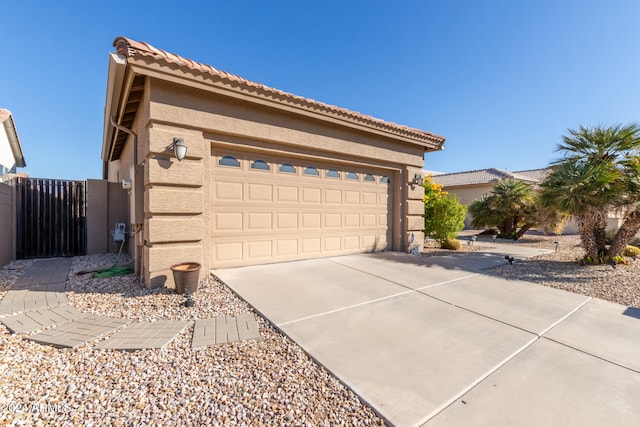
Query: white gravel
{"x": 561, "y": 270}
{"x": 270, "y": 381}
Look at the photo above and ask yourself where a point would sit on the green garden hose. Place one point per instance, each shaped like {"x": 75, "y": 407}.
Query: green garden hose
{"x": 115, "y": 270}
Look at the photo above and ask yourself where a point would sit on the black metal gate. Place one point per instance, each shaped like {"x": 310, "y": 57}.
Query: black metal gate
{"x": 50, "y": 218}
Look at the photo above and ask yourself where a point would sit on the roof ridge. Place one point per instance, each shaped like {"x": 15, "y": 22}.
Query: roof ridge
{"x": 471, "y": 171}
{"x": 532, "y": 170}
{"x": 128, "y": 47}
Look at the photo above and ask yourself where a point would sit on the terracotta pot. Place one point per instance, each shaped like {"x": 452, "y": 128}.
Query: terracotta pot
{"x": 186, "y": 276}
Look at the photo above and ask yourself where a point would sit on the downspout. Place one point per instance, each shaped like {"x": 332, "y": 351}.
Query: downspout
{"x": 137, "y": 228}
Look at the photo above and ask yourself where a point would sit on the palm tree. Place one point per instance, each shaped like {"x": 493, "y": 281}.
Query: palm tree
{"x": 510, "y": 207}
{"x": 586, "y": 192}
{"x": 598, "y": 173}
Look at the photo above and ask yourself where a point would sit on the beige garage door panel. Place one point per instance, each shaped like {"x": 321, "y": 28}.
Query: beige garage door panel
{"x": 294, "y": 211}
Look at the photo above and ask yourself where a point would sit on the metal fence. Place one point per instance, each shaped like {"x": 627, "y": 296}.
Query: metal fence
{"x": 50, "y": 218}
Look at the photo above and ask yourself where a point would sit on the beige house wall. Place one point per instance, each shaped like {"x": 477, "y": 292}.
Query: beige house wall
{"x": 172, "y": 203}
{"x": 7, "y": 224}
{"x": 468, "y": 194}
{"x": 176, "y": 195}
{"x": 107, "y": 204}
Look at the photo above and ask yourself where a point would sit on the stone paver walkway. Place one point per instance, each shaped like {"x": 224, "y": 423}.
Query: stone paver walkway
{"x": 37, "y": 302}
{"x": 145, "y": 335}
{"x": 79, "y": 331}
{"x": 223, "y": 329}
{"x": 41, "y": 319}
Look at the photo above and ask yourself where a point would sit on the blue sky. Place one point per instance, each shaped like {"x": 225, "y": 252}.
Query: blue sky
{"x": 501, "y": 80}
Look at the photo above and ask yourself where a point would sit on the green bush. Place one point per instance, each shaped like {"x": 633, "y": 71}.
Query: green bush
{"x": 443, "y": 213}
{"x": 453, "y": 244}
{"x": 631, "y": 251}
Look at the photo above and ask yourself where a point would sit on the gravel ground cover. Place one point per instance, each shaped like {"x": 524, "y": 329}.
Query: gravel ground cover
{"x": 270, "y": 381}
{"x": 561, "y": 270}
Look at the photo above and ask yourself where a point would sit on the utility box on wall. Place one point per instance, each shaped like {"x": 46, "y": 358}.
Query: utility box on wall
{"x": 107, "y": 205}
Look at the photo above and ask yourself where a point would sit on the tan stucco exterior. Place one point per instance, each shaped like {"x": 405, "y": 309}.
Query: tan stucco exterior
{"x": 174, "y": 204}
{"x": 468, "y": 194}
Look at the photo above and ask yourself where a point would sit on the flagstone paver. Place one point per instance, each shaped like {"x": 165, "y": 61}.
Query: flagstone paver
{"x": 38, "y": 301}
{"x": 41, "y": 319}
{"x": 223, "y": 329}
{"x": 247, "y": 326}
{"x": 143, "y": 335}
{"x": 79, "y": 331}
{"x": 51, "y": 272}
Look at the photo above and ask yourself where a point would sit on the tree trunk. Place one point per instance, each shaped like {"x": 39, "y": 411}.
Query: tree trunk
{"x": 627, "y": 232}
{"x": 600, "y": 236}
{"x": 586, "y": 225}
{"x": 523, "y": 230}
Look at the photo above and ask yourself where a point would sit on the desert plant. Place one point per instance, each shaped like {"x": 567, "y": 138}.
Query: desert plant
{"x": 443, "y": 214}
{"x": 599, "y": 172}
{"x": 510, "y": 207}
{"x": 453, "y": 244}
{"x": 631, "y": 251}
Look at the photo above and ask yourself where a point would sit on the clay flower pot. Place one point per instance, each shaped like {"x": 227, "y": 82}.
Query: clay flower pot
{"x": 186, "y": 276}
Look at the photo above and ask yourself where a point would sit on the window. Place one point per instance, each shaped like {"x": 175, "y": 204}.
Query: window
{"x": 310, "y": 170}
{"x": 260, "y": 165}
{"x": 352, "y": 176}
{"x": 369, "y": 178}
{"x": 229, "y": 161}
{"x": 332, "y": 173}
{"x": 287, "y": 168}
{"x": 384, "y": 179}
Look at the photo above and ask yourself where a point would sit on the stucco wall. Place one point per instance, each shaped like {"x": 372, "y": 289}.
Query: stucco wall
{"x": 7, "y": 224}
{"x": 176, "y": 194}
{"x": 468, "y": 194}
{"x": 107, "y": 204}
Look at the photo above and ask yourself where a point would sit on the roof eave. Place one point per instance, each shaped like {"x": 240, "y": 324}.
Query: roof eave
{"x": 115, "y": 80}
{"x": 160, "y": 69}
{"x": 14, "y": 142}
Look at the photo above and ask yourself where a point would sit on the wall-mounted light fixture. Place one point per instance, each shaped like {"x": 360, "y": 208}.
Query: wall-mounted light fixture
{"x": 417, "y": 179}
{"x": 179, "y": 149}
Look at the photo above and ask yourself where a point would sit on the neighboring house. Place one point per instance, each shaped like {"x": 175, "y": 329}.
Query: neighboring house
{"x": 472, "y": 185}
{"x": 11, "y": 156}
{"x": 268, "y": 176}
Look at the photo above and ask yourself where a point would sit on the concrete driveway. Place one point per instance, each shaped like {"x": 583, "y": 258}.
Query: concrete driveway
{"x": 434, "y": 341}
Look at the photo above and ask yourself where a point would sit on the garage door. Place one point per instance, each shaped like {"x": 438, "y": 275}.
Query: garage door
{"x": 272, "y": 209}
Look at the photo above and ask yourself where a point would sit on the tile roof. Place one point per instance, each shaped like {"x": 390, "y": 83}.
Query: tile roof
{"x": 4, "y": 114}
{"x": 487, "y": 176}
{"x": 131, "y": 48}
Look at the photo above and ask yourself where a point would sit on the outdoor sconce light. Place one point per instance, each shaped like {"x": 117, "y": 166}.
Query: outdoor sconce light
{"x": 179, "y": 149}
{"x": 417, "y": 179}
{"x": 557, "y": 244}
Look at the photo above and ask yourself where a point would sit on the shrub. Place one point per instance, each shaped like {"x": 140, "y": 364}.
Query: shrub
{"x": 631, "y": 251}
{"x": 453, "y": 244}
{"x": 443, "y": 214}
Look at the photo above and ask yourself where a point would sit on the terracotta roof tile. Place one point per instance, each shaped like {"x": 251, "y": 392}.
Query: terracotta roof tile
{"x": 129, "y": 47}
{"x": 4, "y": 114}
